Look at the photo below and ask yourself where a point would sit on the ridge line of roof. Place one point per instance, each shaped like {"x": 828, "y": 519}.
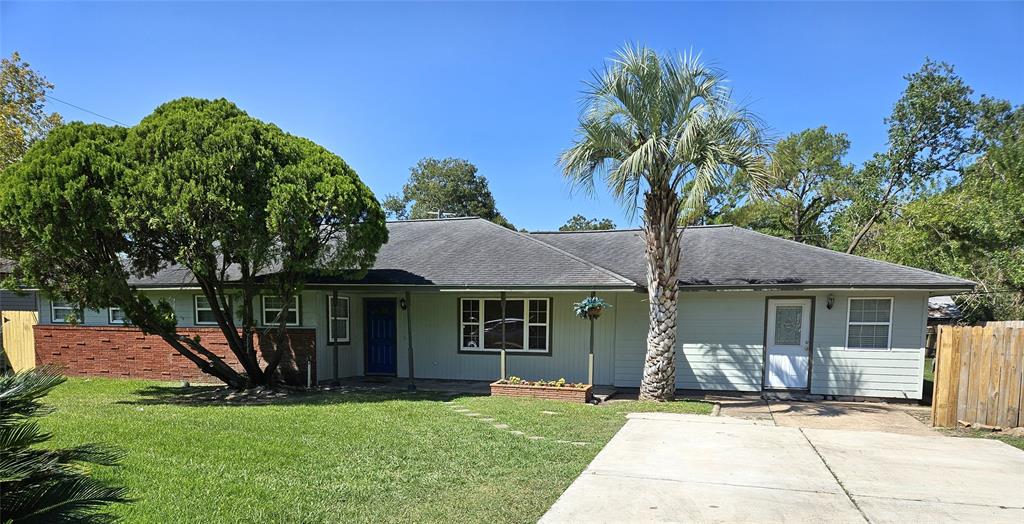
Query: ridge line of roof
{"x": 433, "y": 219}
{"x": 701, "y": 226}
{"x": 850, "y": 255}
{"x": 527, "y": 236}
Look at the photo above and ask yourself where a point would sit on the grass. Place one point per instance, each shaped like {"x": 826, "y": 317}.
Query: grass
{"x": 336, "y": 456}
{"x": 1017, "y": 442}
{"x": 929, "y": 382}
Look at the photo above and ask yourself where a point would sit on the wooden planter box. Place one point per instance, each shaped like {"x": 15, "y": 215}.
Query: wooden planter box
{"x": 546, "y": 392}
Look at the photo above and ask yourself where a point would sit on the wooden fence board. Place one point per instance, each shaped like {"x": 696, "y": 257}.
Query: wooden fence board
{"x": 995, "y": 376}
{"x": 966, "y": 356}
{"x": 979, "y": 376}
{"x": 18, "y": 341}
{"x": 944, "y": 403}
{"x": 1013, "y": 377}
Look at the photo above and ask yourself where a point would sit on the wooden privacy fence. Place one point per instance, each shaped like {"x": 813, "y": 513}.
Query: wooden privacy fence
{"x": 979, "y": 377}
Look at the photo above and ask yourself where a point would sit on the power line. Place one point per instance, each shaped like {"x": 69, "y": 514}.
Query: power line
{"x": 80, "y": 108}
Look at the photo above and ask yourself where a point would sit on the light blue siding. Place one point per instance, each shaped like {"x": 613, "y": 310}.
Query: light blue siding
{"x": 719, "y": 345}
{"x": 435, "y": 320}
{"x": 895, "y": 373}
{"x": 721, "y": 336}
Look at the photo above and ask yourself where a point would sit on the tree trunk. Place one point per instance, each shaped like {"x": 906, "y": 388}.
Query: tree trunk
{"x": 661, "y": 238}
{"x": 863, "y": 231}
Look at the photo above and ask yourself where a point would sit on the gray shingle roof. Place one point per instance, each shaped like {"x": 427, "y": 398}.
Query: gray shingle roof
{"x": 458, "y": 252}
{"x": 472, "y": 252}
{"x": 476, "y": 253}
{"x": 730, "y": 256}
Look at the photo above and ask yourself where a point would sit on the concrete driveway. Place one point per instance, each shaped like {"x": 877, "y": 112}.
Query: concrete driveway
{"x": 687, "y": 468}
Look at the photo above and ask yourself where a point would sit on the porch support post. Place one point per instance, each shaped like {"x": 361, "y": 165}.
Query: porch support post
{"x": 408, "y": 327}
{"x": 590, "y": 356}
{"x": 332, "y": 304}
{"x": 503, "y": 368}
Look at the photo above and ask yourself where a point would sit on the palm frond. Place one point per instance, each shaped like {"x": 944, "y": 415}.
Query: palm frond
{"x": 40, "y": 484}
{"x": 665, "y": 124}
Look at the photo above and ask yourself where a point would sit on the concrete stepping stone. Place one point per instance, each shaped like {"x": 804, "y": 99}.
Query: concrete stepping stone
{"x": 517, "y": 432}
{"x": 535, "y": 437}
{"x": 501, "y": 426}
{"x": 487, "y": 420}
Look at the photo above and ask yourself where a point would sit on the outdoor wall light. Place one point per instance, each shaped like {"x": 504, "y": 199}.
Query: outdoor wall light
{"x": 830, "y": 301}
{"x": 403, "y": 304}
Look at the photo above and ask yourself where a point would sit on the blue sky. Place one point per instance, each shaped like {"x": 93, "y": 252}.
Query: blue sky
{"x": 385, "y": 84}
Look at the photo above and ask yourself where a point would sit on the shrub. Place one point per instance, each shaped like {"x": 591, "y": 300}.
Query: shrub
{"x": 46, "y": 485}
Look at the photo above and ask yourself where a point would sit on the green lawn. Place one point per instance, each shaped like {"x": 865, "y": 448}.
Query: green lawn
{"x": 1017, "y": 442}
{"x": 336, "y": 456}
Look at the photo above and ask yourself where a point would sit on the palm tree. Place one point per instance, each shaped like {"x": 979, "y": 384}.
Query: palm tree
{"x": 664, "y": 129}
{"x": 39, "y": 484}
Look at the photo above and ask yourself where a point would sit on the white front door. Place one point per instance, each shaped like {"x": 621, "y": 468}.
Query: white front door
{"x": 788, "y": 343}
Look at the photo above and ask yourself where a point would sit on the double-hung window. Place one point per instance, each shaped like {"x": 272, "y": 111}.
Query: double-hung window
{"x": 338, "y": 319}
{"x": 115, "y": 315}
{"x": 526, "y": 324}
{"x": 869, "y": 323}
{"x": 204, "y": 313}
{"x": 64, "y": 312}
{"x": 272, "y": 307}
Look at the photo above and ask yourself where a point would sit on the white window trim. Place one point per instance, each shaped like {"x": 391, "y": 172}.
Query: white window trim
{"x": 846, "y": 341}
{"x": 70, "y": 307}
{"x": 526, "y": 326}
{"x": 331, "y": 318}
{"x": 110, "y": 316}
{"x": 295, "y": 308}
{"x": 196, "y": 309}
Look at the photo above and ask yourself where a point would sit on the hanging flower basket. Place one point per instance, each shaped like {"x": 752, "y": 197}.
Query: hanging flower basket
{"x": 590, "y": 307}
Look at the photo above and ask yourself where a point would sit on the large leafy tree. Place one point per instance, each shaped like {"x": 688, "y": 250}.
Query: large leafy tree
{"x": 975, "y": 227}
{"x": 662, "y": 132}
{"x": 23, "y": 116}
{"x": 582, "y": 223}
{"x": 808, "y": 182}
{"x": 199, "y": 184}
{"x": 446, "y": 187}
{"x": 929, "y": 134}
{"x": 40, "y": 483}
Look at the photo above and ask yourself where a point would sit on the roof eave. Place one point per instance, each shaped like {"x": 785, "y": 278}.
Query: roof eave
{"x": 934, "y": 288}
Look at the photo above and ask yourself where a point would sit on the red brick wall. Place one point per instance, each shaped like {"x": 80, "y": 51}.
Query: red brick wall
{"x": 115, "y": 351}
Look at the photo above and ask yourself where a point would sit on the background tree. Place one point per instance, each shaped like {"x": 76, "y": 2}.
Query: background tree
{"x": 662, "y": 132}
{"x": 241, "y": 205}
{"x": 582, "y": 223}
{"x": 23, "y": 119}
{"x": 808, "y": 183}
{"x": 930, "y": 133}
{"x": 975, "y": 227}
{"x": 445, "y": 187}
{"x": 42, "y": 484}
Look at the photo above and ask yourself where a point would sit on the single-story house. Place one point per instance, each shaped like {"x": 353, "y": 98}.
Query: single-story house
{"x": 756, "y": 313}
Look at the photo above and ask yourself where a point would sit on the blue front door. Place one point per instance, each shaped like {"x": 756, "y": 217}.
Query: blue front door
{"x": 381, "y": 337}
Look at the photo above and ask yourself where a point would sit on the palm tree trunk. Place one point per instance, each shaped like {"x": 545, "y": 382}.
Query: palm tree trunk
{"x": 661, "y": 239}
